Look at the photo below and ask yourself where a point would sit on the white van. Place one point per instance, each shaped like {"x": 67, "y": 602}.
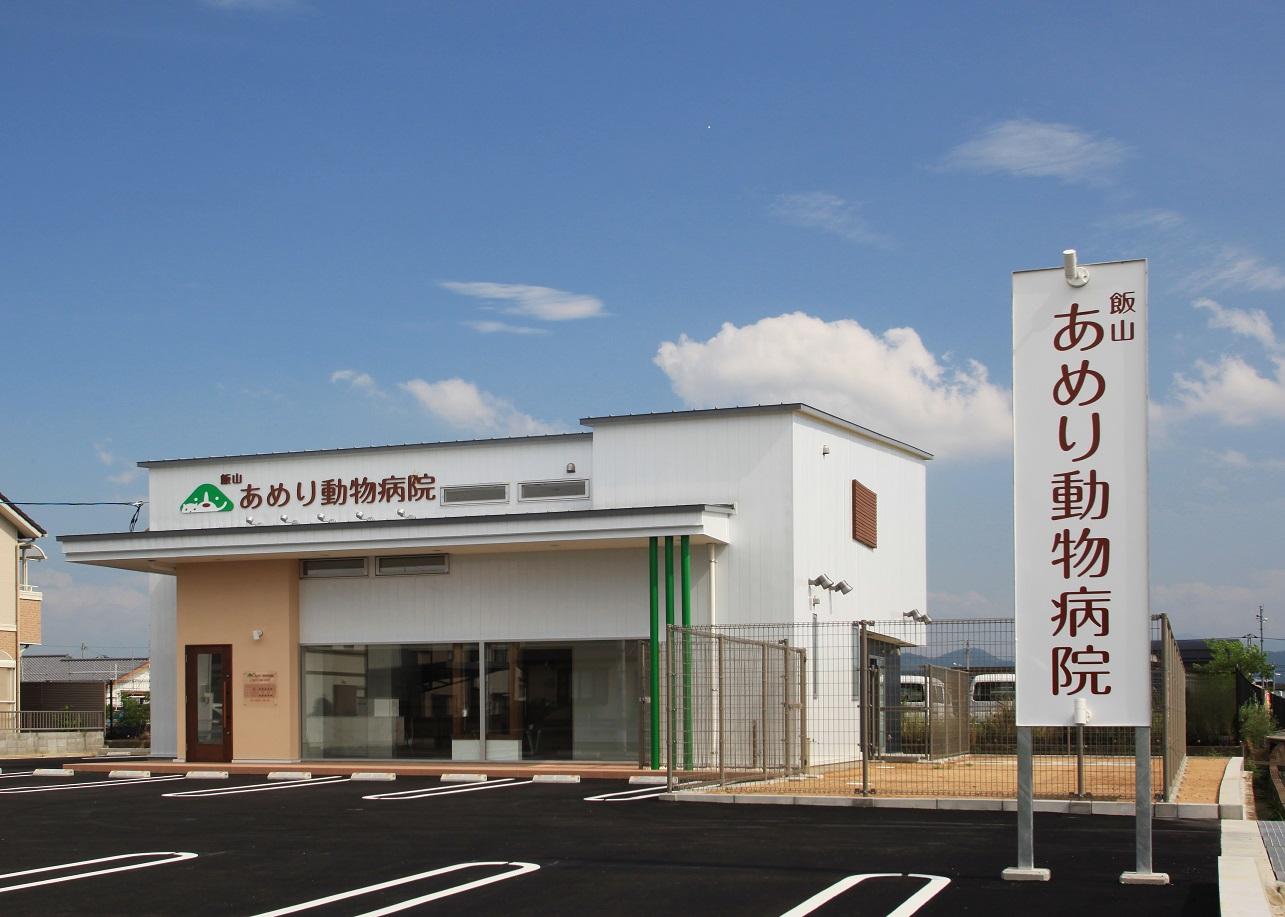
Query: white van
{"x": 992, "y": 692}
{"x": 915, "y": 690}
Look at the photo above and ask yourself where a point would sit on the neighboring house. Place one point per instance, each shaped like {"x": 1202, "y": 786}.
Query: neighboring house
{"x": 62, "y": 682}
{"x": 136, "y": 683}
{"x": 19, "y": 600}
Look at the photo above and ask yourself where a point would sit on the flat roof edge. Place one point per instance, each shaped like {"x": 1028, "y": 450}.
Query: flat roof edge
{"x": 720, "y": 508}
{"x": 796, "y": 407}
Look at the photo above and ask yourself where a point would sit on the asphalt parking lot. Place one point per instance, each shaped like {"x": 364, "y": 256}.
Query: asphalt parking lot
{"x": 87, "y": 845}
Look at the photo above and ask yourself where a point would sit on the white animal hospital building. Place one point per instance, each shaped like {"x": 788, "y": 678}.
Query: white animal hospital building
{"x": 499, "y": 599}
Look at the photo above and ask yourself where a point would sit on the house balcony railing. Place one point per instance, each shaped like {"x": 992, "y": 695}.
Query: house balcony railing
{"x": 51, "y": 721}
{"x": 27, "y": 591}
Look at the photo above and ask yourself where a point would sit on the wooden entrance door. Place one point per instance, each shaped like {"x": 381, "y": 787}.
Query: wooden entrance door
{"x": 209, "y": 703}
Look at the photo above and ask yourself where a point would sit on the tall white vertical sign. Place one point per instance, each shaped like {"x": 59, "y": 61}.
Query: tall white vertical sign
{"x": 1080, "y": 496}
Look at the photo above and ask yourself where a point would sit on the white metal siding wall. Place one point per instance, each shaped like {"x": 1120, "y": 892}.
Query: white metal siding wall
{"x": 887, "y": 580}
{"x": 742, "y": 459}
{"x": 484, "y": 463}
{"x": 551, "y": 595}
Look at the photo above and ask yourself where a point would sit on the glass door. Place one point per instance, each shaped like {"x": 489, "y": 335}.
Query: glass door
{"x": 209, "y": 703}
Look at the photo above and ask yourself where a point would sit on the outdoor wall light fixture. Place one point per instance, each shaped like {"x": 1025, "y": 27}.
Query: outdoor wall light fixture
{"x": 821, "y": 580}
{"x": 249, "y": 520}
{"x": 322, "y": 517}
{"x": 843, "y": 587}
{"x": 916, "y": 615}
{"x": 402, "y": 514}
{"x": 256, "y": 634}
{"x": 362, "y": 516}
{"x": 571, "y": 467}
{"x": 825, "y": 450}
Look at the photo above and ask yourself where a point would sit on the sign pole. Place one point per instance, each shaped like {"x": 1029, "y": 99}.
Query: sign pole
{"x": 1143, "y": 874}
{"x": 1025, "y": 870}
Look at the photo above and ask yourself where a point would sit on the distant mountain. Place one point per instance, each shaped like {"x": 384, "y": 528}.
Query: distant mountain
{"x": 975, "y": 658}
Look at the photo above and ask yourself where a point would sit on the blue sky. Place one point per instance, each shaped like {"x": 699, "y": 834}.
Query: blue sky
{"x": 257, "y": 225}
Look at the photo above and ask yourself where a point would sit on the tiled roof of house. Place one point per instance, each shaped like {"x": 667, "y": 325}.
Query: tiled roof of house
{"x": 46, "y": 667}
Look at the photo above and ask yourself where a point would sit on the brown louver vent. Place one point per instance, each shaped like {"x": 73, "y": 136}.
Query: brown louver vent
{"x": 865, "y": 515}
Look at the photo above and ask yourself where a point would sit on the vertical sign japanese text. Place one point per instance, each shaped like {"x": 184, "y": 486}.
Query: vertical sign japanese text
{"x": 1080, "y": 496}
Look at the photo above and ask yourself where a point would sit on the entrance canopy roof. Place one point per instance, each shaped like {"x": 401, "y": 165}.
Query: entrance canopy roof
{"x": 158, "y": 552}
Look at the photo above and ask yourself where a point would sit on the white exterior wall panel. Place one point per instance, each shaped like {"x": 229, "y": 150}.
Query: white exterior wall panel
{"x": 740, "y": 459}
{"x": 554, "y": 595}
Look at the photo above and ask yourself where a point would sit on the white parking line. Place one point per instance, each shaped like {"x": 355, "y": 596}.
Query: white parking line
{"x": 518, "y": 870}
{"x": 451, "y": 790}
{"x": 910, "y": 906}
{"x": 16, "y": 774}
{"x": 256, "y": 787}
{"x": 636, "y": 794}
{"x": 96, "y": 784}
{"x": 167, "y": 856}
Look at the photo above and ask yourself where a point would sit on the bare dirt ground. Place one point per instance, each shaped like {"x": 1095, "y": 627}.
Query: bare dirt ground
{"x": 995, "y": 777}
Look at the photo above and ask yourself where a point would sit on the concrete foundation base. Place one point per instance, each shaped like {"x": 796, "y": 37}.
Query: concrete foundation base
{"x": 1144, "y": 878}
{"x": 1018, "y": 874}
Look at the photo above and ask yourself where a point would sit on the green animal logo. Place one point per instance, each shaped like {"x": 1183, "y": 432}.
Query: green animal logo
{"x": 206, "y": 499}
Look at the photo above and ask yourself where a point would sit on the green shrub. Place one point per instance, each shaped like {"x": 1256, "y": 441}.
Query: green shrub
{"x": 1255, "y": 724}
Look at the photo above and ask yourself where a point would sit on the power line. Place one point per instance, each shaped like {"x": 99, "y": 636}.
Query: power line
{"x": 137, "y": 504}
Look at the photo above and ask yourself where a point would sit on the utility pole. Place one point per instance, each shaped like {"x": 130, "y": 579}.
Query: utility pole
{"x": 1261, "y": 619}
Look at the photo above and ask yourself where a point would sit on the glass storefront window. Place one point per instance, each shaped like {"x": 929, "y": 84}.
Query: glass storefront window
{"x": 545, "y": 701}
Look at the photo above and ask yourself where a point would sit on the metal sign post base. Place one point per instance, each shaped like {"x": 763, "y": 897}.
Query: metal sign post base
{"x": 1143, "y": 875}
{"x": 1025, "y": 870}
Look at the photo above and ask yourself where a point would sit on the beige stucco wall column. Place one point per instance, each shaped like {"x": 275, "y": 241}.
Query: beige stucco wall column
{"x": 225, "y": 603}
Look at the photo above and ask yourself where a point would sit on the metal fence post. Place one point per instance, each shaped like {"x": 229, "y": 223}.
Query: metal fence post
{"x": 803, "y": 713}
{"x": 722, "y": 762}
{"x": 669, "y": 704}
{"x": 763, "y": 712}
{"x": 864, "y": 725}
{"x": 785, "y": 704}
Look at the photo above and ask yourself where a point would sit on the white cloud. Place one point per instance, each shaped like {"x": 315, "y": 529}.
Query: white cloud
{"x": 358, "y": 381}
{"x": 1039, "y": 149}
{"x": 125, "y": 477}
{"x": 1155, "y": 218}
{"x": 1201, "y": 609}
{"x": 889, "y": 382}
{"x": 1236, "y": 459}
{"x": 1251, "y": 323}
{"x": 828, "y": 213}
{"x": 544, "y": 303}
{"x": 104, "y": 454}
{"x": 1230, "y": 389}
{"x": 1237, "y": 270}
{"x": 493, "y": 327}
{"x": 462, "y": 404}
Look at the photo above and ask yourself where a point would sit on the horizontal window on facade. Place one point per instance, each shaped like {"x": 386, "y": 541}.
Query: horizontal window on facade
{"x": 412, "y": 564}
{"x": 476, "y": 493}
{"x": 332, "y": 566}
{"x": 553, "y": 490}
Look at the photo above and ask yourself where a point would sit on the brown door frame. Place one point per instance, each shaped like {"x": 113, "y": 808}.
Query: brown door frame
{"x": 197, "y": 751}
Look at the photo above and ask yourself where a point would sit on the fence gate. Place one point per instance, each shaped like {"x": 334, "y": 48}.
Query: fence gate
{"x": 736, "y": 708}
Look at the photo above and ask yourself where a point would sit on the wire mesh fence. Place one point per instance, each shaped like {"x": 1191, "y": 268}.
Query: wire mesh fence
{"x": 891, "y": 708}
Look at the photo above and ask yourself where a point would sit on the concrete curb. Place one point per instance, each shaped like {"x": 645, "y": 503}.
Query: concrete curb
{"x": 1184, "y": 810}
{"x": 556, "y": 778}
{"x": 1244, "y": 871}
{"x": 207, "y": 775}
{"x": 53, "y": 772}
{"x": 1231, "y": 791}
{"x": 463, "y": 778}
{"x": 373, "y": 776}
{"x": 647, "y": 781}
{"x": 289, "y": 775}
{"x": 128, "y": 775}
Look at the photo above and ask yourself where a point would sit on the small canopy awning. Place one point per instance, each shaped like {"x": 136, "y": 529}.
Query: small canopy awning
{"x": 159, "y": 552}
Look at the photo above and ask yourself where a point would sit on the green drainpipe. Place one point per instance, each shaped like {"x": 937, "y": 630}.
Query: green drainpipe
{"x": 669, "y": 618}
{"x": 686, "y": 552}
{"x": 654, "y": 563}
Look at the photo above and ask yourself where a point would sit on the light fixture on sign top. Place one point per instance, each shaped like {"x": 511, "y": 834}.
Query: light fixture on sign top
{"x": 402, "y": 514}
{"x": 322, "y": 517}
{"x": 363, "y": 517}
{"x": 249, "y": 520}
{"x": 1076, "y": 276}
